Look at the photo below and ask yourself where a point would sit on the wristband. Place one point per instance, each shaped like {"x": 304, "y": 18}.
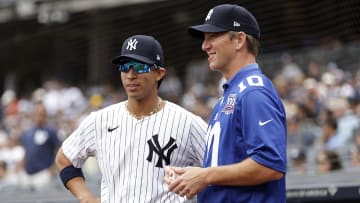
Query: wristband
{"x": 69, "y": 173}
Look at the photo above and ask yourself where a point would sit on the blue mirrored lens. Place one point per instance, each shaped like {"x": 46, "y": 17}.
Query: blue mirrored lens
{"x": 136, "y": 66}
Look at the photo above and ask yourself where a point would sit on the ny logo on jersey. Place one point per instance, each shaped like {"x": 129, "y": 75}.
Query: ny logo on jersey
{"x": 154, "y": 146}
{"x": 131, "y": 44}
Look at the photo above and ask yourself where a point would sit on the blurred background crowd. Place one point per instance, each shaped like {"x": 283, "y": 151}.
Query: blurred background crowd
{"x": 320, "y": 96}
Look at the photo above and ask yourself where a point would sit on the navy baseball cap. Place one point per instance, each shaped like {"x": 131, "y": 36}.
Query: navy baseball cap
{"x": 227, "y": 17}
{"x": 142, "y": 48}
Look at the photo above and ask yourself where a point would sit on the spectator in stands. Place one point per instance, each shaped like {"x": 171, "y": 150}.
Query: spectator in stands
{"x": 40, "y": 142}
{"x": 73, "y": 103}
{"x": 293, "y": 77}
{"x": 347, "y": 120}
{"x": 172, "y": 88}
{"x": 290, "y": 70}
{"x": 12, "y": 153}
{"x": 355, "y": 150}
{"x": 1, "y": 113}
{"x": 308, "y": 130}
{"x": 7, "y": 179}
{"x": 9, "y": 103}
{"x": 327, "y": 161}
{"x": 3, "y": 170}
{"x": 298, "y": 161}
{"x": 3, "y": 174}
{"x": 329, "y": 137}
{"x": 314, "y": 69}
{"x": 3, "y": 135}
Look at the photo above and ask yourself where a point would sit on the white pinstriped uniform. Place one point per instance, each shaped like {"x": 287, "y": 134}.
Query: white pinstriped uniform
{"x": 131, "y": 172}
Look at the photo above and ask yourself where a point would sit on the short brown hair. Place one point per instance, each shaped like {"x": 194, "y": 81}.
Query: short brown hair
{"x": 253, "y": 44}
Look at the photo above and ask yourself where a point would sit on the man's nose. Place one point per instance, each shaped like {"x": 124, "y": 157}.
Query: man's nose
{"x": 131, "y": 73}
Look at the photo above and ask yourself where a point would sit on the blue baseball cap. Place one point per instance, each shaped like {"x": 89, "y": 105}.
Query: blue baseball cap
{"x": 227, "y": 17}
{"x": 142, "y": 48}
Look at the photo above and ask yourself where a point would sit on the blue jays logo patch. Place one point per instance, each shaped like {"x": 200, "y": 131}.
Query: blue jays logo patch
{"x": 230, "y": 104}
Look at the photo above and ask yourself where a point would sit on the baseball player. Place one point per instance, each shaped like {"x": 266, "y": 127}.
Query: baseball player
{"x": 245, "y": 160}
{"x": 135, "y": 139}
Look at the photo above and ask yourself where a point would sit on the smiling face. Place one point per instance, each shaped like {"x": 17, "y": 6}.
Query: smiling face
{"x": 219, "y": 48}
{"x": 141, "y": 86}
{"x": 226, "y": 52}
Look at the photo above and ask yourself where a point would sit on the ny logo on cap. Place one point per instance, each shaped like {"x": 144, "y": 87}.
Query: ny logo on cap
{"x": 209, "y": 15}
{"x": 131, "y": 44}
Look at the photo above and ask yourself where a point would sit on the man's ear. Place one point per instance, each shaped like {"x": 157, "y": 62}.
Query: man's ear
{"x": 161, "y": 73}
{"x": 240, "y": 39}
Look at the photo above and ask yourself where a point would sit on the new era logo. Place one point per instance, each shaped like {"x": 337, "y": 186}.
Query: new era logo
{"x": 131, "y": 44}
{"x": 157, "y": 57}
{"x": 236, "y": 24}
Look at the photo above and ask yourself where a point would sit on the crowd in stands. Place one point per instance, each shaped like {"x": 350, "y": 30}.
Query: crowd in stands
{"x": 321, "y": 98}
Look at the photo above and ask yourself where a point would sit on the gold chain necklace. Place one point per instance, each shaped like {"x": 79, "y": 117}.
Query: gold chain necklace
{"x": 155, "y": 110}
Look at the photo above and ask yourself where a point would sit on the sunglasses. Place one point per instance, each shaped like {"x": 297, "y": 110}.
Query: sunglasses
{"x": 138, "y": 67}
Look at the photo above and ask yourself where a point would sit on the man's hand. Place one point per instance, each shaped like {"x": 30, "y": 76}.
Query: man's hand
{"x": 187, "y": 181}
{"x": 170, "y": 175}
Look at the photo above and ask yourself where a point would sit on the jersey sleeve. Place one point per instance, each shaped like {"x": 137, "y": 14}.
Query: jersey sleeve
{"x": 198, "y": 140}
{"x": 81, "y": 143}
{"x": 264, "y": 127}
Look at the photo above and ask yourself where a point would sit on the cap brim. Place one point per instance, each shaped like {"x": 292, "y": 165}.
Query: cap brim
{"x": 130, "y": 57}
{"x": 199, "y": 30}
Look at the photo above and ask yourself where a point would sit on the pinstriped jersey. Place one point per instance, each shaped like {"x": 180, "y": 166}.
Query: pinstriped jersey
{"x": 132, "y": 153}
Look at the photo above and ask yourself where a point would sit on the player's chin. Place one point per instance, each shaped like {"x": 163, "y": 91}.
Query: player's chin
{"x": 134, "y": 93}
{"x": 132, "y": 89}
{"x": 214, "y": 67}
